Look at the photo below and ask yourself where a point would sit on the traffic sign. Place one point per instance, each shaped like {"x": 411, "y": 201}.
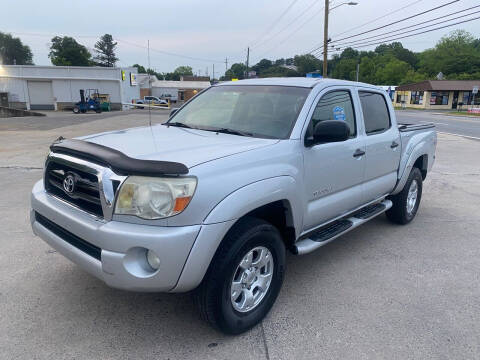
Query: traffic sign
{"x": 475, "y": 90}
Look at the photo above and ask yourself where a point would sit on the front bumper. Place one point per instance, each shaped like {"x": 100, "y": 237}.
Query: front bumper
{"x": 122, "y": 263}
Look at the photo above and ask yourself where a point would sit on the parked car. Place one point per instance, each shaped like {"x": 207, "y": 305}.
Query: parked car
{"x": 173, "y": 98}
{"x": 152, "y": 100}
{"x": 213, "y": 199}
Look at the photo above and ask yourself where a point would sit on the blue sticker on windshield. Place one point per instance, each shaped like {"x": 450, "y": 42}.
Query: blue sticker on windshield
{"x": 339, "y": 113}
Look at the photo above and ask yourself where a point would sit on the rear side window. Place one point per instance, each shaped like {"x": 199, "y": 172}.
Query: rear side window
{"x": 335, "y": 105}
{"x": 375, "y": 112}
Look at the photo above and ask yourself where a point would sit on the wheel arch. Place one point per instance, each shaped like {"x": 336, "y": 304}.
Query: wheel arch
{"x": 279, "y": 205}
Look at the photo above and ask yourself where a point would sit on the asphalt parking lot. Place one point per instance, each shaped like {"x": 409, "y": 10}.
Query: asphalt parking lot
{"x": 382, "y": 291}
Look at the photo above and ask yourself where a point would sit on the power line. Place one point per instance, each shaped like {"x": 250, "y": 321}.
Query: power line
{"x": 288, "y": 25}
{"x": 170, "y": 53}
{"x": 401, "y": 20}
{"x": 407, "y": 36}
{"x": 274, "y": 23}
{"x": 293, "y": 32}
{"x": 392, "y": 23}
{"x": 378, "y": 18}
{"x": 415, "y": 25}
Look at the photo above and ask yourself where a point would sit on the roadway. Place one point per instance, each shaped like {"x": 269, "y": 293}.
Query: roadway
{"x": 451, "y": 124}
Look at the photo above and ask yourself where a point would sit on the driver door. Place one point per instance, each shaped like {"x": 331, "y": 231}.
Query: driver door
{"x": 333, "y": 171}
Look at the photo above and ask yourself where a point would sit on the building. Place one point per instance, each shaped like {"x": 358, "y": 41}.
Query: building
{"x": 438, "y": 94}
{"x": 182, "y": 90}
{"x": 390, "y": 90}
{"x": 58, "y": 87}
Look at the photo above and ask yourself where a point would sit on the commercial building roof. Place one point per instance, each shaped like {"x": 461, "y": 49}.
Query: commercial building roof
{"x": 439, "y": 85}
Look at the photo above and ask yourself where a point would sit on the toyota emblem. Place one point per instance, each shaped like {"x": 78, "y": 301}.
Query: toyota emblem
{"x": 69, "y": 184}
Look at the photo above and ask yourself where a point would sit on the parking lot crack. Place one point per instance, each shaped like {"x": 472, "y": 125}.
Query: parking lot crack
{"x": 13, "y": 167}
{"x": 267, "y": 355}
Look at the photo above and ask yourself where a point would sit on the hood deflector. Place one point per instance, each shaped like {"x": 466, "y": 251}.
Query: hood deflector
{"x": 120, "y": 163}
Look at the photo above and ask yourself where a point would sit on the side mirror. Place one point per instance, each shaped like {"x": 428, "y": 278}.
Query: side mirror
{"x": 173, "y": 111}
{"x": 330, "y": 131}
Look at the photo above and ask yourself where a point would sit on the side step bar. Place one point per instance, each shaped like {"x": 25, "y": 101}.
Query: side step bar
{"x": 337, "y": 228}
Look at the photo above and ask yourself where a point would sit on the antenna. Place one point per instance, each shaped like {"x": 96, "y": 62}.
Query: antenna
{"x": 149, "y": 85}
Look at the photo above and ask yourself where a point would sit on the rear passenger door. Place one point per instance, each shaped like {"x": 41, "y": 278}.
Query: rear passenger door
{"x": 382, "y": 145}
{"x": 333, "y": 171}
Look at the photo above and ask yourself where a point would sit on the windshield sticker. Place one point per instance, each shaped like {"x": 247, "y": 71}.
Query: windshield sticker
{"x": 338, "y": 113}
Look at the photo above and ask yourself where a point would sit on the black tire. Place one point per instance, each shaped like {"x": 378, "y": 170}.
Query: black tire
{"x": 398, "y": 213}
{"x": 213, "y": 294}
{"x": 76, "y": 110}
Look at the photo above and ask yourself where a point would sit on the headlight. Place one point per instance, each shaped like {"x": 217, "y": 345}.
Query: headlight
{"x": 154, "y": 198}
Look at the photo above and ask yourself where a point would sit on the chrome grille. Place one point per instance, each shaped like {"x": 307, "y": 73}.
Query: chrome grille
{"x": 86, "y": 187}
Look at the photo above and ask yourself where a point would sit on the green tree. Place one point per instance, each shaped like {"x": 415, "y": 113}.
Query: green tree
{"x": 105, "y": 51}
{"x": 392, "y": 72}
{"x": 183, "y": 70}
{"x": 12, "y": 51}
{"x": 141, "y": 69}
{"x": 454, "y": 54}
{"x": 307, "y": 63}
{"x": 262, "y": 66}
{"x": 68, "y": 52}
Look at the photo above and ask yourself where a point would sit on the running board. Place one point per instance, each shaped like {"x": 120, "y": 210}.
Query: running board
{"x": 337, "y": 228}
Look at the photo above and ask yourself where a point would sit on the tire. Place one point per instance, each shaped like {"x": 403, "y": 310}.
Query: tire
{"x": 403, "y": 211}
{"x": 214, "y": 295}
{"x": 76, "y": 110}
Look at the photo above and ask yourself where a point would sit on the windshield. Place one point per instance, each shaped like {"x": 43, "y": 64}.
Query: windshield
{"x": 251, "y": 110}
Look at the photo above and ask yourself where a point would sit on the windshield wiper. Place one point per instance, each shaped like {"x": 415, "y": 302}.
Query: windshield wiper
{"x": 178, "y": 124}
{"x": 231, "y": 131}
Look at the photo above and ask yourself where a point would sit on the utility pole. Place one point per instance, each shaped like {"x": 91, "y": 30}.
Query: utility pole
{"x": 213, "y": 72}
{"x": 325, "y": 40}
{"x": 226, "y": 64}
{"x": 358, "y": 69}
{"x": 248, "y": 58}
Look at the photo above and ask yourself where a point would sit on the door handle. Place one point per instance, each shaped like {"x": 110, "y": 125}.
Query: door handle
{"x": 358, "y": 153}
{"x": 394, "y": 145}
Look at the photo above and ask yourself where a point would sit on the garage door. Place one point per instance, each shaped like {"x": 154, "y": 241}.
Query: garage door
{"x": 41, "y": 95}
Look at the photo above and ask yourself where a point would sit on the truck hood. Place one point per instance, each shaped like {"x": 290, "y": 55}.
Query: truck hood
{"x": 168, "y": 143}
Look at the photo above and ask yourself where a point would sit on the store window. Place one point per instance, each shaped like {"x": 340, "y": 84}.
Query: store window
{"x": 416, "y": 98}
{"x": 471, "y": 99}
{"x": 439, "y": 98}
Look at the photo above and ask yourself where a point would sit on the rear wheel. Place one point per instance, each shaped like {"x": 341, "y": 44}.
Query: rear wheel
{"x": 76, "y": 110}
{"x": 244, "y": 278}
{"x": 406, "y": 202}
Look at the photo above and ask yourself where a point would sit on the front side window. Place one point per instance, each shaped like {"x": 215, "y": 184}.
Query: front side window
{"x": 255, "y": 110}
{"x": 335, "y": 105}
{"x": 375, "y": 112}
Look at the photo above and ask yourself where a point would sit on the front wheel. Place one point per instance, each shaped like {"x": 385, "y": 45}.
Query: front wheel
{"x": 244, "y": 278}
{"x": 406, "y": 202}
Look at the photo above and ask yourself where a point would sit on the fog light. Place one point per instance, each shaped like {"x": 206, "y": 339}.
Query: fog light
{"x": 153, "y": 260}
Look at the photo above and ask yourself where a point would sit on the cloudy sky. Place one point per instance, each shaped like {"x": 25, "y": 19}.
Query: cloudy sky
{"x": 207, "y": 32}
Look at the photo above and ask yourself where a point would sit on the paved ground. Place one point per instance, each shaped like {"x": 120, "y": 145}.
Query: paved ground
{"x": 380, "y": 292}
{"x": 463, "y": 125}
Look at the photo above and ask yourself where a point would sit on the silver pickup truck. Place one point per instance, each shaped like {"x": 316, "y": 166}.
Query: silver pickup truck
{"x": 212, "y": 199}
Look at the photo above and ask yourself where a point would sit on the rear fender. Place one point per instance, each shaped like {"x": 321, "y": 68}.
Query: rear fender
{"x": 418, "y": 145}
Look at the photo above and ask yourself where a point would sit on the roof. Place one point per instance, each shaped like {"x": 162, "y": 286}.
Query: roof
{"x": 438, "y": 85}
{"x": 294, "y": 81}
{"x": 181, "y": 84}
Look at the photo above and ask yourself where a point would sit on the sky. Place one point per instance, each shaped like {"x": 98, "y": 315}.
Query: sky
{"x": 205, "y": 33}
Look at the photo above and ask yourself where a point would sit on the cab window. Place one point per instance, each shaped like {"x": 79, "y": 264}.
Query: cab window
{"x": 375, "y": 112}
{"x": 335, "y": 105}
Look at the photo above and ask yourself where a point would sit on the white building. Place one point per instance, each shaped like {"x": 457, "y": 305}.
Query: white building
{"x": 57, "y": 87}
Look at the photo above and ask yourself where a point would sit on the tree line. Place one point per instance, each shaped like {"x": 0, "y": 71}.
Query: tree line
{"x": 456, "y": 56}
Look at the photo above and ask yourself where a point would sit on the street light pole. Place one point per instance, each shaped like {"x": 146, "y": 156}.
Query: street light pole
{"x": 325, "y": 33}
{"x": 325, "y": 40}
